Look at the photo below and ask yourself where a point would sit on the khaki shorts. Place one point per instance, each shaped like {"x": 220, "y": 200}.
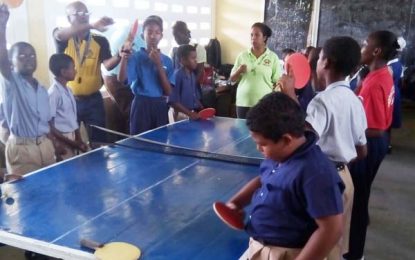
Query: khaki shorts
{"x": 25, "y": 155}
{"x": 342, "y": 246}
{"x": 258, "y": 251}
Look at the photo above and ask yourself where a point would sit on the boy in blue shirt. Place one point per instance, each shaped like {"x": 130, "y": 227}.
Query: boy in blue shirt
{"x": 185, "y": 96}
{"x": 149, "y": 72}
{"x": 64, "y": 123}
{"x": 296, "y": 201}
{"x": 25, "y": 107}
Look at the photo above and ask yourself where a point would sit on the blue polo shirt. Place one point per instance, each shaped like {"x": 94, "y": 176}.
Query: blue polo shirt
{"x": 143, "y": 75}
{"x": 293, "y": 194}
{"x": 25, "y": 108}
{"x": 186, "y": 90}
{"x": 63, "y": 108}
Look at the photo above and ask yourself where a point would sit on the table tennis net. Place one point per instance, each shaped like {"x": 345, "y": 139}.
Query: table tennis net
{"x": 140, "y": 143}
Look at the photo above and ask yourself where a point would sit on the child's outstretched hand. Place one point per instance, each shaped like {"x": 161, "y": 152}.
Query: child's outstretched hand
{"x": 4, "y": 15}
{"x": 194, "y": 116}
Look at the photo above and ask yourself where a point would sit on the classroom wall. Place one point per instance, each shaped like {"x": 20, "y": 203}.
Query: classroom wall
{"x": 37, "y": 35}
{"x": 233, "y": 25}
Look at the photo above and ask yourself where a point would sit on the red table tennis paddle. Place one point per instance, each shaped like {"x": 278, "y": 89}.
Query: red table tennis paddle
{"x": 300, "y": 67}
{"x": 207, "y": 113}
{"x": 228, "y": 215}
{"x": 133, "y": 31}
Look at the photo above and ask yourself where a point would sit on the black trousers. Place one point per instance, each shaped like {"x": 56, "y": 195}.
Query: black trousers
{"x": 241, "y": 112}
{"x": 363, "y": 173}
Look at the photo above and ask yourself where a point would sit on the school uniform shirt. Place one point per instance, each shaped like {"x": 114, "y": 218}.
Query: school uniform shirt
{"x": 25, "y": 108}
{"x": 88, "y": 79}
{"x": 186, "y": 90}
{"x": 292, "y": 195}
{"x": 4, "y": 128}
{"x": 338, "y": 117}
{"x": 143, "y": 76}
{"x": 377, "y": 95}
{"x": 63, "y": 108}
{"x": 262, "y": 73}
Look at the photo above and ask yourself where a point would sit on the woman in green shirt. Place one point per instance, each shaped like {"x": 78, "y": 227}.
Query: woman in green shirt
{"x": 256, "y": 69}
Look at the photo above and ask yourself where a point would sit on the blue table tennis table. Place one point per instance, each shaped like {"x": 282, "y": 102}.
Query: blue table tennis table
{"x": 161, "y": 203}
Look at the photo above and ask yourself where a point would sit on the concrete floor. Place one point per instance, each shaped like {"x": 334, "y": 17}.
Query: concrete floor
{"x": 391, "y": 234}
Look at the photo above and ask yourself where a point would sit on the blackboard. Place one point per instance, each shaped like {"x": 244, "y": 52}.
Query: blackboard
{"x": 358, "y": 18}
{"x": 289, "y": 21}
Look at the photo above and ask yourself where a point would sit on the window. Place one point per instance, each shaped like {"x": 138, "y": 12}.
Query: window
{"x": 196, "y": 13}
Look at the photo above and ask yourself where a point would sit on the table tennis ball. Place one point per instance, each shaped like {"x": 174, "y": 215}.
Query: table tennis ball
{"x": 12, "y": 3}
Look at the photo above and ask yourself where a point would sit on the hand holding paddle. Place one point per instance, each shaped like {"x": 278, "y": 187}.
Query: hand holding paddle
{"x": 207, "y": 113}
{"x": 114, "y": 250}
{"x": 231, "y": 216}
{"x": 287, "y": 83}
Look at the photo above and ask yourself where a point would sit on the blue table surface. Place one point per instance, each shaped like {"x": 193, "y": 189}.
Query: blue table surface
{"x": 158, "y": 202}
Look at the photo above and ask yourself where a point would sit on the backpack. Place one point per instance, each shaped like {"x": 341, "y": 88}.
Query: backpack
{"x": 213, "y": 53}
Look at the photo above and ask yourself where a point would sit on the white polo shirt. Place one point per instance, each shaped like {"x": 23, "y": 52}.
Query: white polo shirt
{"x": 338, "y": 117}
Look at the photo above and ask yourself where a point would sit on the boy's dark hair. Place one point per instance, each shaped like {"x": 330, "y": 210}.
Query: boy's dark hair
{"x": 17, "y": 46}
{"x": 313, "y": 58}
{"x": 58, "y": 62}
{"x": 287, "y": 51}
{"x": 343, "y": 54}
{"x": 266, "y": 31}
{"x": 184, "y": 50}
{"x": 388, "y": 42}
{"x": 180, "y": 26}
{"x": 153, "y": 19}
{"x": 274, "y": 115}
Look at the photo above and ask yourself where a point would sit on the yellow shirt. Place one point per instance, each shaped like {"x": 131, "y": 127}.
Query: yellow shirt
{"x": 88, "y": 79}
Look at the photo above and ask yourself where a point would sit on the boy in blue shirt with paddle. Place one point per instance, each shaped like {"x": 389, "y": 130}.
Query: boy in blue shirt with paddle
{"x": 149, "y": 72}
{"x": 296, "y": 203}
{"x": 186, "y": 95}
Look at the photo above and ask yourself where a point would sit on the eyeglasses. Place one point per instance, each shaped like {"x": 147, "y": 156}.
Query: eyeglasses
{"x": 80, "y": 13}
{"x": 26, "y": 56}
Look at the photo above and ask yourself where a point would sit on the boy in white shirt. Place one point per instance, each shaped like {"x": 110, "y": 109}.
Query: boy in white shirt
{"x": 337, "y": 115}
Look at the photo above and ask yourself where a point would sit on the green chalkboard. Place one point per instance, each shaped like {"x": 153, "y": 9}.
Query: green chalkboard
{"x": 289, "y": 21}
{"x": 357, "y": 18}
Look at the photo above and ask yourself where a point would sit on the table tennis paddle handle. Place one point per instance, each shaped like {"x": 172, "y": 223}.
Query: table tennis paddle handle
{"x": 90, "y": 244}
